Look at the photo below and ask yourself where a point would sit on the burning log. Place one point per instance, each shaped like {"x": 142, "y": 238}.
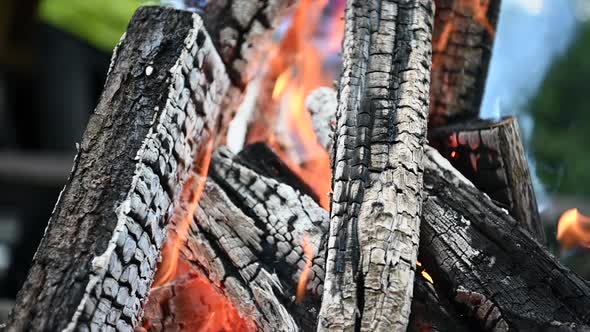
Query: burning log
{"x": 239, "y": 30}
{"x": 482, "y": 257}
{"x": 96, "y": 262}
{"x": 247, "y": 237}
{"x": 377, "y": 171}
{"x": 244, "y": 217}
{"x": 463, "y": 40}
{"x": 491, "y": 155}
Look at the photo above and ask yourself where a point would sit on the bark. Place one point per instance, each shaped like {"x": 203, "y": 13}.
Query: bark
{"x": 247, "y": 220}
{"x": 377, "y": 179}
{"x": 247, "y": 237}
{"x": 491, "y": 155}
{"x": 490, "y": 265}
{"x": 463, "y": 40}
{"x": 241, "y": 32}
{"x": 95, "y": 264}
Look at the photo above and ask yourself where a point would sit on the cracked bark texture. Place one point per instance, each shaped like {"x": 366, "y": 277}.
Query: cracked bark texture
{"x": 462, "y": 47}
{"x": 247, "y": 238}
{"x": 478, "y": 254}
{"x": 95, "y": 264}
{"x": 377, "y": 162}
{"x": 491, "y": 155}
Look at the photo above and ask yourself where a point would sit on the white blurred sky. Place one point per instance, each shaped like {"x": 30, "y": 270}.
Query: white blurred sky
{"x": 531, "y": 33}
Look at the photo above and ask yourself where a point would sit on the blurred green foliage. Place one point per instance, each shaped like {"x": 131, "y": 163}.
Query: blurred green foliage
{"x": 561, "y": 111}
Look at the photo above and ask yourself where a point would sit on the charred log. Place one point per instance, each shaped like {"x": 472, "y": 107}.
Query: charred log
{"x": 263, "y": 160}
{"x": 480, "y": 256}
{"x": 463, "y": 40}
{"x": 96, "y": 262}
{"x": 247, "y": 237}
{"x": 239, "y": 29}
{"x": 432, "y": 311}
{"x": 377, "y": 179}
{"x": 235, "y": 224}
{"x": 491, "y": 155}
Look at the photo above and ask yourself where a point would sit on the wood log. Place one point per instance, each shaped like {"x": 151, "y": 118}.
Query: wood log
{"x": 239, "y": 28}
{"x": 240, "y": 31}
{"x": 235, "y": 223}
{"x": 479, "y": 255}
{"x": 95, "y": 264}
{"x": 491, "y": 155}
{"x": 464, "y": 33}
{"x": 247, "y": 237}
{"x": 377, "y": 179}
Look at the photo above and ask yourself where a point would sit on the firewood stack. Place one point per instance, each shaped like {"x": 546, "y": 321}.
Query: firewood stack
{"x": 433, "y": 222}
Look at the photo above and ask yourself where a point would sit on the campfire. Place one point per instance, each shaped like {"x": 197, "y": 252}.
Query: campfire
{"x": 367, "y": 194}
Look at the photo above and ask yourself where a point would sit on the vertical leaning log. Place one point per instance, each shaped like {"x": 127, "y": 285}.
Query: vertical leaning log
{"x": 492, "y": 156}
{"x": 239, "y": 29}
{"x": 377, "y": 165}
{"x": 95, "y": 264}
{"x": 463, "y": 40}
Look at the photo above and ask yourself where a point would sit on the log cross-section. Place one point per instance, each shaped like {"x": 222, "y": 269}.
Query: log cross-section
{"x": 491, "y": 155}
{"x": 377, "y": 179}
{"x": 95, "y": 265}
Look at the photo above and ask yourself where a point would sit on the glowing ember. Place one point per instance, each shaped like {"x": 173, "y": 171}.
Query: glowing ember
{"x": 424, "y": 274}
{"x": 192, "y": 191}
{"x": 453, "y": 154}
{"x": 573, "y": 230}
{"x": 304, "y": 278}
{"x": 197, "y": 306}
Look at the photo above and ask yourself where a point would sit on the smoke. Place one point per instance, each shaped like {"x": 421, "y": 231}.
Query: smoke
{"x": 530, "y": 35}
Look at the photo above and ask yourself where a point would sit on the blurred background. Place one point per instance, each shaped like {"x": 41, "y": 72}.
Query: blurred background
{"x": 54, "y": 55}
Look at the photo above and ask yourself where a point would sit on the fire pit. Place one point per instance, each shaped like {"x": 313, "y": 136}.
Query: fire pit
{"x": 384, "y": 204}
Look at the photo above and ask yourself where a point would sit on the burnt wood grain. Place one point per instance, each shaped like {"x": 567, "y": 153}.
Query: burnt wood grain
{"x": 95, "y": 264}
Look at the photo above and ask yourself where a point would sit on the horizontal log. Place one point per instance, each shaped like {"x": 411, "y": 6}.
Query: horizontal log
{"x": 96, "y": 262}
{"x": 484, "y": 277}
{"x": 479, "y": 255}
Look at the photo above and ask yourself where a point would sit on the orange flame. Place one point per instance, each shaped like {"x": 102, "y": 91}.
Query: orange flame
{"x": 573, "y": 230}
{"x": 198, "y": 306}
{"x": 297, "y": 65}
{"x": 304, "y": 278}
{"x": 192, "y": 191}
{"x": 424, "y": 274}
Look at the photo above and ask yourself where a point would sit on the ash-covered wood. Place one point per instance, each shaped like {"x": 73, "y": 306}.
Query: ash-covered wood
{"x": 261, "y": 158}
{"x": 464, "y": 33}
{"x": 247, "y": 238}
{"x": 95, "y": 264}
{"x": 246, "y": 220}
{"x": 492, "y": 267}
{"x": 377, "y": 179}
{"x": 322, "y": 104}
{"x": 491, "y": 155}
